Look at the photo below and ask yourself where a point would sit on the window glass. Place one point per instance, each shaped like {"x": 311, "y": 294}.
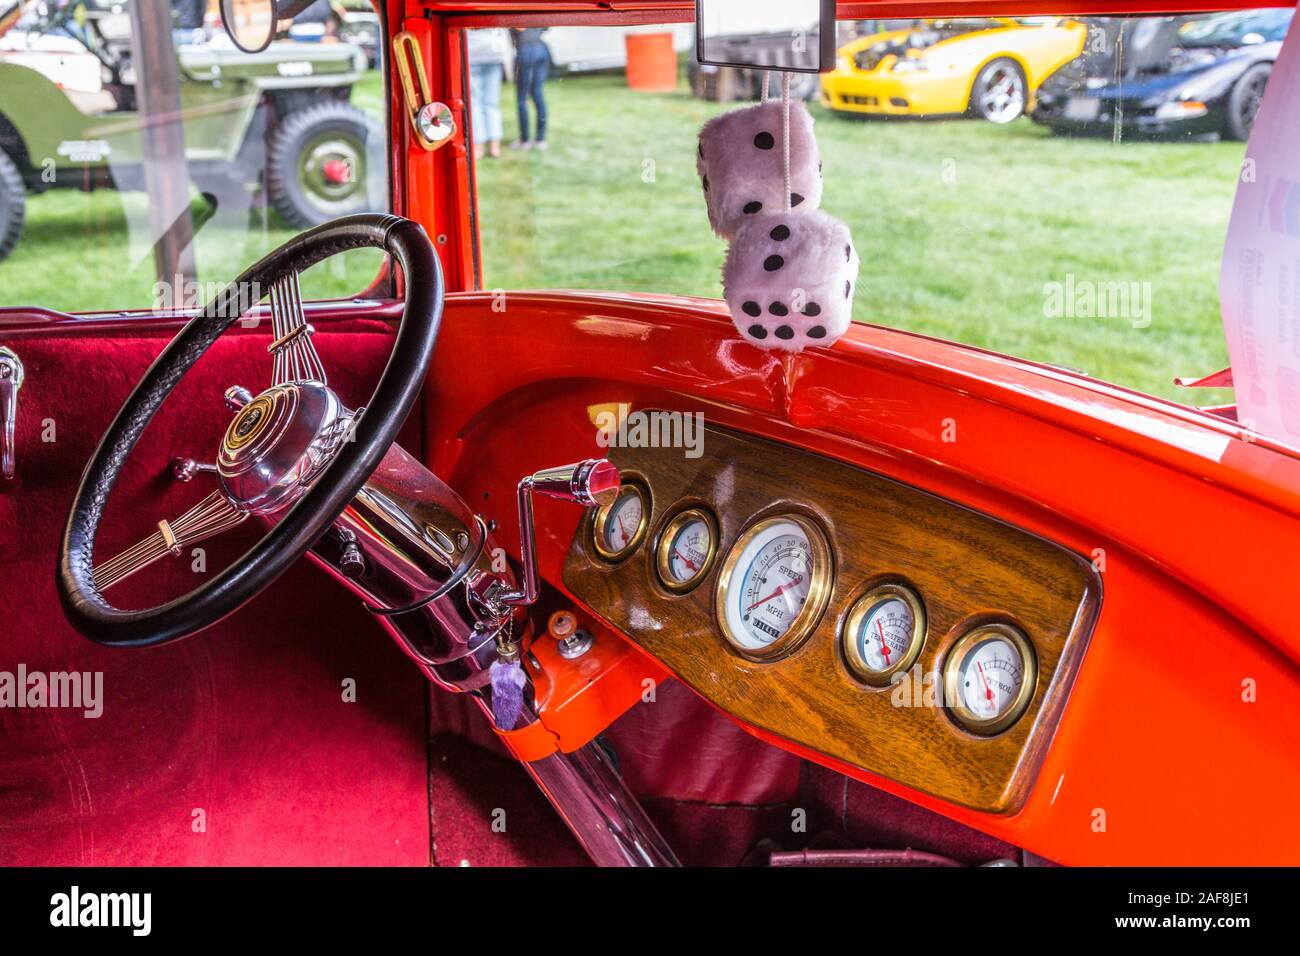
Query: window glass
{"x": 92, "y": 216}
{"x": 1056, "y": 189}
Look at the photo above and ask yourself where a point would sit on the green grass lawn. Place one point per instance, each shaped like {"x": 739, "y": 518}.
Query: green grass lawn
{"x": 960, "y": 226}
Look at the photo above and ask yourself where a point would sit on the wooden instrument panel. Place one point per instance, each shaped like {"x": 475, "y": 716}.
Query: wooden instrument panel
{"x": 969, "y": 570}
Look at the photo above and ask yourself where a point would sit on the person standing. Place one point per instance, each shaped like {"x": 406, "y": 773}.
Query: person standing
{"x": 487, "y": 59}
{"x": 532, "y": 63}
{"x": 187, "y": 22}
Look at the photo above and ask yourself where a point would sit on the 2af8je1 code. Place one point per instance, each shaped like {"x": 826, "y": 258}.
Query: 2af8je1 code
{"x": 1221, "y": 898}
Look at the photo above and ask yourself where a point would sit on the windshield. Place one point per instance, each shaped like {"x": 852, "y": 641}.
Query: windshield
{"x": 1077, "y": 218}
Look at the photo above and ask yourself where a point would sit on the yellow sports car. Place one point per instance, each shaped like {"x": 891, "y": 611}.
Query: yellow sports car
{"x": 985, "y": 66}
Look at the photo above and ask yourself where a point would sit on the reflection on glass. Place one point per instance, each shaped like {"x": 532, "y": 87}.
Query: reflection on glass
{"x": 760, "y": 32}
{"x": 250, "y": 23}
{"x": 272, "y": 144}
{"x": 1085, "y": 231}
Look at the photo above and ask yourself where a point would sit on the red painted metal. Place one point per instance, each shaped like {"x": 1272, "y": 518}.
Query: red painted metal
{"x": 1157, "y": 735}
{"x": 1219, "y": 379}
{"x": 577, "y": 699}
{"x": 420, "y": 165}
{"x": 437, "y": 186}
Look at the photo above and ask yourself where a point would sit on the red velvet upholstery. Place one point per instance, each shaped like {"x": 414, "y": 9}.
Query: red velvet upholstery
{"x": 680, "y": 748}
{"x": 245, "y": 722}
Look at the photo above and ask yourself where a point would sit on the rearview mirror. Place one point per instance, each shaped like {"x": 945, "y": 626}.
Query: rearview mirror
{"x": 793, "y": 35}
{"x": 250, "y": 24}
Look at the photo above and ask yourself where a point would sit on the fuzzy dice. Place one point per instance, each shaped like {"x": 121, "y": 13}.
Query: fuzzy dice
{"x": 789, "y": 279}
{"x": 741, "y": 165}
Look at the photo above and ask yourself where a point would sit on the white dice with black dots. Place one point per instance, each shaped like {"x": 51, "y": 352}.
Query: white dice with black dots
{"x": 741, "y": 165}
{"x": 789, "y": 279}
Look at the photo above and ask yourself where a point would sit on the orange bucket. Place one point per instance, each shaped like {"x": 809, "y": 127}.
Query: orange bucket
{"x": 651, "y": 62}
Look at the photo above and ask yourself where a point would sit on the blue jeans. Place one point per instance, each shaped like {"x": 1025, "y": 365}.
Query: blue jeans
{"x": 485, "y": 101}
{"x": 533, "y": 63}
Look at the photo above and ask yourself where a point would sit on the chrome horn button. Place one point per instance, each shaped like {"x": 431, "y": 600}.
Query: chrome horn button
{"x": 278, "y": 443}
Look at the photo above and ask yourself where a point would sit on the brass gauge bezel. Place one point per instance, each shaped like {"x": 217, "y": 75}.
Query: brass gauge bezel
{"x": 663, "y": 551}
{"x": 872, "y": 598}
{"x": 819, "y": 588}
{"x": 956, "y": 702}
{"x": 602, "y": 515}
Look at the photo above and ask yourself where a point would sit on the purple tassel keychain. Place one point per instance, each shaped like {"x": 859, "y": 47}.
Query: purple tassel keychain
{"x": 508, "y": 681}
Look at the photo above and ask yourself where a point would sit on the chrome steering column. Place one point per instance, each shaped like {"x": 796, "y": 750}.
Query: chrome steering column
{"x": 428, "y": 568}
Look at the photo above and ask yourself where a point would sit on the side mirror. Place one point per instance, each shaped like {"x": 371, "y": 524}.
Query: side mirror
{"x": 250, "y": 24}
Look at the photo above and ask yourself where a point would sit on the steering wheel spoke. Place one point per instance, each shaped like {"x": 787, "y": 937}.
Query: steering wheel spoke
{"x": 306, "y": 419}
{"x": 295, "y": 356}
{"x": 211, "y": 516}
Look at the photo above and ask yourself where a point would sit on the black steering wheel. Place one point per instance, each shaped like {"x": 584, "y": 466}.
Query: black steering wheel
{"x": 324, "y": 480}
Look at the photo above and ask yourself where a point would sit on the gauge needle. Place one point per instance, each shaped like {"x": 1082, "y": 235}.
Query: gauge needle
{"x": 988, "y": 691}
{"x": 689, "y": 563}
{"x": 622, "y": 527}
{"x": 775, "y": 594}
{"x": 884, "y": 648}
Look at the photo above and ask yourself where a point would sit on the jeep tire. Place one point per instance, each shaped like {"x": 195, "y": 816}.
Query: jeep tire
{"x": 13, "y": 204}
{"x": 318, "y": 164}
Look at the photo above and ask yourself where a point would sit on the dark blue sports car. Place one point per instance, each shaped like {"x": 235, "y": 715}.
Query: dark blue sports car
{"x": 1163, "y": 76}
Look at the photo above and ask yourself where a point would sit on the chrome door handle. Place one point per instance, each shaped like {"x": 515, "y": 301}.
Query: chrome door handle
{"x": 11, "y": 380}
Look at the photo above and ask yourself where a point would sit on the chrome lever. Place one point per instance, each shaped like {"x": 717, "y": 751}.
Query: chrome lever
{"x": 11, "y": 381}
{"x": 184, "y": 469}
{"x": 236, "y": 397}
{"x": 589, "y": 483}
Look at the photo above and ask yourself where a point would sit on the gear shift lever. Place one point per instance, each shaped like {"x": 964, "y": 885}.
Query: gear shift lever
{"x": 589, "y": 483}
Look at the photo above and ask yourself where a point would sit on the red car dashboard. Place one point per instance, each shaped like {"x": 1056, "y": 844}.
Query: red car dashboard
{"x": 1031, "y": 519}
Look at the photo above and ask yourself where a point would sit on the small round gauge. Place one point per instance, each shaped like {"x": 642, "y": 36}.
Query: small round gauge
{"x": 774, "y": 586}
{"x": 883, "y": 633}
{"x": 620, "y": 526}
{"x": 989, "y": 677}
{"x": 687, "y": 547}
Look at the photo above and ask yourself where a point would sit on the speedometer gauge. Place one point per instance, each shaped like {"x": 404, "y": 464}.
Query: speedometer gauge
{"x": 620, "y": 526}
{"x": 687, "y": 547}
{"x": 774, "y": 586}
{"x": 883, "y": 633}
{"x": 989, "y": 677}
